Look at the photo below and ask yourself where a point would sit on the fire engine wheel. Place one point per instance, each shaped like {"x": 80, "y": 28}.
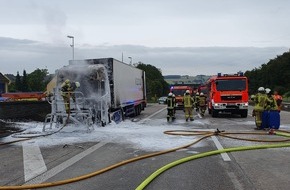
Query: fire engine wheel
{"x": 214, "y": 113}
{"x": 209, "y": 111}
{"x": 244, "y": 113}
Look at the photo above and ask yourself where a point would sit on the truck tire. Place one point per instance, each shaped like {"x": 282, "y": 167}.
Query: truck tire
{"x": 244, "y": 113}
{"x": 214, "y": 113}
{"x": 209, "y": 111}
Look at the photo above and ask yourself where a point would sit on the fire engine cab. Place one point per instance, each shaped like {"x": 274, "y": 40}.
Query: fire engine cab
{"x": 179, "y": 92}
{"x": 228, "y": 93}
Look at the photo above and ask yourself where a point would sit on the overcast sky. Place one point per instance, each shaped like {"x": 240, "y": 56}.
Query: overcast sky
{"x": 186, "y": 37}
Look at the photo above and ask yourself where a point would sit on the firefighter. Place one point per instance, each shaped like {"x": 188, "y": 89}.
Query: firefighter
{"x": 278, "y": 99}
{"x": 174, "y": 100}
{"x": 170, "y": 101}
{"x": 67, "y": 92}
{"x": 188, "y": 103}
{"x": 196, "y": 100}
{"x": 260, "y": 101}
{"x": 202, "y": 103}
{"x": 273, "y": 117}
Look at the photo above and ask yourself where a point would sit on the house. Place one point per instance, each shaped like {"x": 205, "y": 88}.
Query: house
{"x": 4, "y": 81}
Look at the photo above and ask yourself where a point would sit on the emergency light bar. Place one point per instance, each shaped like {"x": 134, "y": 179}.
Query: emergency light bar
{"x": 231, "y": 75}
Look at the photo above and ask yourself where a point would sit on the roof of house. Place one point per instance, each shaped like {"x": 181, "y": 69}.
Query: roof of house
{"x": 3, "y": 78}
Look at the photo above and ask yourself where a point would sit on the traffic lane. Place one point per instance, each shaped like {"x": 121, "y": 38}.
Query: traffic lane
{"x": 11, "y": 167}
{"x": 200, "y": 174}
{"x": 235, "y": 175}
{"x": 266, "y": 168}
{"x": 12, "y": 161}
{"x": 254, "y": 164}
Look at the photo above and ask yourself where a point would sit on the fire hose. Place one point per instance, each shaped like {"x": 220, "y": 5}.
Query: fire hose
{"x": 206, "y": 134}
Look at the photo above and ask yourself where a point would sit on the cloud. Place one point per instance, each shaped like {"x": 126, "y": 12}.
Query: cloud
{"x": 17, "y": 55}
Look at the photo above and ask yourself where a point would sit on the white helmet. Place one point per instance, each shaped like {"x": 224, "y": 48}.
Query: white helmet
{"x": 77, "y": 84}
{"x": 197, "y": 94}
{"x": 173, "y": 95}
{"x": 261, "y": 89}
{"x": 267, "y": 90}
{"x": 170, "y": 94}
{"x": 201, "y": 94}
{"x": 187, "y": 92}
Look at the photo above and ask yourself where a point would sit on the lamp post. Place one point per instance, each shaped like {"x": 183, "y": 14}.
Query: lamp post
{"x": 73, "y": 46}
{"x": 130, "y": 60}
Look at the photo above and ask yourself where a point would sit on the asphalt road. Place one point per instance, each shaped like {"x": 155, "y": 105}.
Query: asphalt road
{"x": 256, "y": 169}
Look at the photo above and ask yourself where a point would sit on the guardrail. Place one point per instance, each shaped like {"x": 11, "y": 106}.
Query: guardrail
{"x": 286, "y": 106}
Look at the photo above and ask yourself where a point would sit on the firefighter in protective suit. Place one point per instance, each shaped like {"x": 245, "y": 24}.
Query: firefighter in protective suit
{"x": 196, "y": 100}
{"x": 67, "y": 92}
{"x": 188, "y": 103}
{"x": 170, "y": 101}
{"x": 260, "y": 100}
{"x": 202, "y": 103}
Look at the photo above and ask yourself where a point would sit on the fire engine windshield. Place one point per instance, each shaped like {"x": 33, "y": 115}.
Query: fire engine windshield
{"x": 230, "y": 85}
{"x": 178, "y": 92}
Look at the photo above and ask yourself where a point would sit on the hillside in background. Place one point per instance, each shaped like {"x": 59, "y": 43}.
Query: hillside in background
{"x": 185, "y": 79}
{"x": 274, "y": 75}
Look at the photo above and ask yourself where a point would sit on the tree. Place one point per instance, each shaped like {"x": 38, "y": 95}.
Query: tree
{"x": 274, "y": 75}
{"x": 36, "y": 80}
{"x": 155, "y": 83}
{"x": 18, "y": 84}
{"x": 25, "y": 87}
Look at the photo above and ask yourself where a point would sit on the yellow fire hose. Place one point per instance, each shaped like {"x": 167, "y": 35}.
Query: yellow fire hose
{"x": 206, "y": 134}
{"x": 202, "y": 155}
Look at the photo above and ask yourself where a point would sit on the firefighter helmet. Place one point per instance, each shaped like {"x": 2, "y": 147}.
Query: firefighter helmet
{"x": 201, "y": 94}
{"x": 77, "y": 84}
{"x": 187, "y": 91}
{"x": 170, "y": 94}
{"x": 261, "y": 89}
{"x": 267, "y": 90}
{"x": 197, "y": 94}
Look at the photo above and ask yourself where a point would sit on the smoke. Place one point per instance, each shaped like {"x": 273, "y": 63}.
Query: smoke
{"x": 55, "y": 23}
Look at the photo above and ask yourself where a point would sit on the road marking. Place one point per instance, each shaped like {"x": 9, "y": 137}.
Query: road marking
{"x": 225, "y": 156}
{"x": 32, "y": 160}
{"x": 152, "y": 115}
{"x": 52, "y": 172}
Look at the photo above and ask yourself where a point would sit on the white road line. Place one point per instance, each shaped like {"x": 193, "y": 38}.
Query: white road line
{"x": 32, "y": 160}
{"x": 153, "y": 114}
{"x": 52, "y": 172}
{"x": 225, "y": 156}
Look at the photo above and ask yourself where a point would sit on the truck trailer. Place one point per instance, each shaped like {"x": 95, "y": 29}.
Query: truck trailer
{"x": 109, "y": 90}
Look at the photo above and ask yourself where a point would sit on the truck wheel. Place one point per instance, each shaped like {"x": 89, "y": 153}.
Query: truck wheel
{"x": 244, "y": 113}
{"x": 209, "y": 111}
{"x": 215, "y": 113}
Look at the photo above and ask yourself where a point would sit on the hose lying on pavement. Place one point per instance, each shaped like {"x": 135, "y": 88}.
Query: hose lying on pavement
{"x": 202, "y": 155}
{"x": 205, "y": 134}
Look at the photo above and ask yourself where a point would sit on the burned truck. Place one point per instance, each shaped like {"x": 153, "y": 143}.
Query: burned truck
{"x": 109, "y": 90}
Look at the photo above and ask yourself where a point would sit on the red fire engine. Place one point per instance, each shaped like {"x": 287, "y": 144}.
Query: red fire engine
{"x": 228, "y": 93}
{"x": 179, "y": 92}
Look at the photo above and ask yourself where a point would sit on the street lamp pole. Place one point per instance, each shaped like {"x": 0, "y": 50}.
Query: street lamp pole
{"x": 130, "y": 60}
{"x": 73, "y": 46}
